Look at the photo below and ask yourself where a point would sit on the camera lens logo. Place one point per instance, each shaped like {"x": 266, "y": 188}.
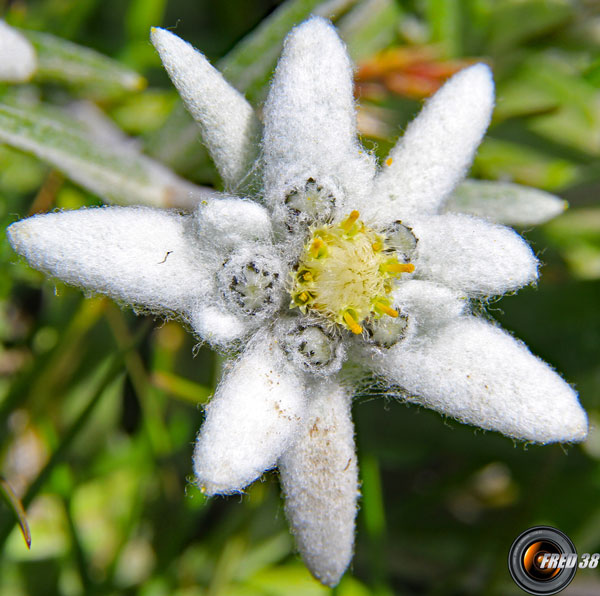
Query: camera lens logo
{"x": 542, "y": 560}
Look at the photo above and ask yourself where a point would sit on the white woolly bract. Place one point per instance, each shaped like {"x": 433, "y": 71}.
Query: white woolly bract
{"x": 226, "y": 222}
{"x": 504, "y": 202}
{"x": 310, "y": 121}
{"x": 137, "y": 255}
{"x": 18, "y": 61}
{"x": 319, "y": 476}
{"x": 436, "y": 149}
{"x": 252, "y": 419}
{"x": 428, "y": 304}
{"x": 479, "y": 374}
{"x": 217, "y": 326}
{"x": 227, "y": 121}
{"x": 472, "y": 255}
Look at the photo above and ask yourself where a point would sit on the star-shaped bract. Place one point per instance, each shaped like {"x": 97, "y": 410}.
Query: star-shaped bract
{"x": 251, "y": 276}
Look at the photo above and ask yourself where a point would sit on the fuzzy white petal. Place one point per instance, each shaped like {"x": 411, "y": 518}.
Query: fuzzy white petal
{"x": 428, "y": 303}
{"x": 228, "y": 222}
{"x": 252, "y": 419}
{"x": 228, "y": 123}
{"x": 472, "y": 255}
{"x": 147, "y": 257}
{"x": 479, "y": 374}
{"x": 319, "y": 476}
{"x": 217, "y": 326}
{"x": 437, "y": 148}
{"x": 18, "y": 61}
{"x": 504, "y": 202}
{"x": 310, "y": 120}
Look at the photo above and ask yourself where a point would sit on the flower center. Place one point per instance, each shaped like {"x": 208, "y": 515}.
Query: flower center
{"x": 346, "y": 274}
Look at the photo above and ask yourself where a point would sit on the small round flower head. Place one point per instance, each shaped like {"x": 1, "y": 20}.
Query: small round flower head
{"x": 334, "y": 259}
{"x": 250, "y": 283}
{"x": 312, "y": 346}
{"x": 307, "y": 204}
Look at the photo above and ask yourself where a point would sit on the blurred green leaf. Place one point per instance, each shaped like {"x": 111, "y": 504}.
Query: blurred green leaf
{"x": 373, "y": 507}
{"x": 20, "y": 172}
{"x": 144, "y": 112}
{"x": 592, "y": 73}
{"x": 292, "y": 580}
{"x": 111, "y": 372}
{"x": 177, "y": 143}
{"x": 514, "y": 22}
{"x": 64, "y": 17}
{"x": 505, "y": 203}
{"x": 264, "y": 554}
{"x": 563, "y": 83}
{"x": 444, "y": 19}
{"x": 577, "y": 122}
{"x": 115, "y": 172}
{"x": 54, "y": 368}
{"x": 577, "y": 234}
{"x": 181, "y": 388}
{"x": 373, "y": 514}
{"x": 102, "y": 510}
{"x": 369, "y": 27}
{"x": 142, "y": 15}
{"x": 504, "y": 160}
{"x": 519, "y": 97}
{"x": 67, "y": 440}
{"x": 62, "y": 60}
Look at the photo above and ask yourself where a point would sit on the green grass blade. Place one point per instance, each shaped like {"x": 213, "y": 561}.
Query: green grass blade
{"x": 373, "y": 515}
{"x": 15, "y": 505}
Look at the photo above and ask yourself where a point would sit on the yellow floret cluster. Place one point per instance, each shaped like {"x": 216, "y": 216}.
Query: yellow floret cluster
{"x": 346, "y": 274}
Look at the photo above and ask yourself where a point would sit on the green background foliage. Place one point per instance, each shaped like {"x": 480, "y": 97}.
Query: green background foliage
{"x": 99, "y": 408}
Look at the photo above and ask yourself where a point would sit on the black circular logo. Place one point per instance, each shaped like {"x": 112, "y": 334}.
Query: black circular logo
{"x": 542, "y": 560}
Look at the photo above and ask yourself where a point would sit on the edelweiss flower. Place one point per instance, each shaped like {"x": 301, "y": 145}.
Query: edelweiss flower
{"x": 332, "y": 260}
